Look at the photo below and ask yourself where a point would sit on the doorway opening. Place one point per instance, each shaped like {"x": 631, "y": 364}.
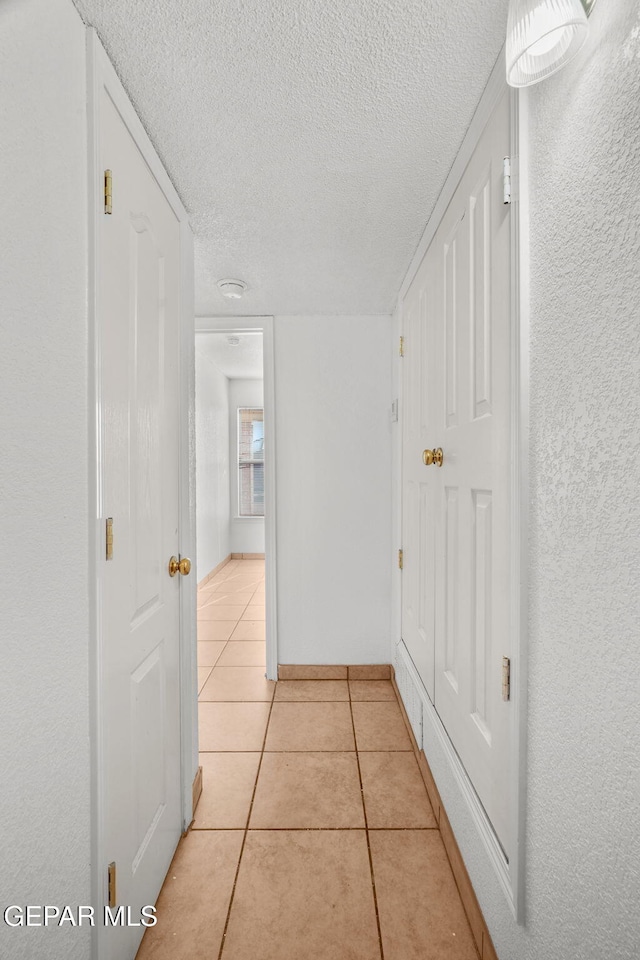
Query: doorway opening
{"x": 235, "y": 502}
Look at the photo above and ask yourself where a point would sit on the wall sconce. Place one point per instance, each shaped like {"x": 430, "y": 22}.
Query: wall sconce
{"x": 543, "y": 35}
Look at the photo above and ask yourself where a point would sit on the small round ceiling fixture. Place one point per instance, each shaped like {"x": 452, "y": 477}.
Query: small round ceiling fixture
{"x": 233, "y": 341}
{"x": 232, "y": 289}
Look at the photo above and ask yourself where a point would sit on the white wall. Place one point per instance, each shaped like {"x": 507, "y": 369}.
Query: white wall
{"x": 583, "y": 780}
{"x": 333, "y": 393}
{"x": 212, "y": 464}
{"x": 247, "y": 535}
{"x": 44, "y": 530}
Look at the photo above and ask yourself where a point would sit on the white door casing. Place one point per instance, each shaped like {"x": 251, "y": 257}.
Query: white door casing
{"x": 458, "y": 346}
{"x": 418, "y": 515}
{"x": 142, "y": 683}
{"x": 264, "y": 325}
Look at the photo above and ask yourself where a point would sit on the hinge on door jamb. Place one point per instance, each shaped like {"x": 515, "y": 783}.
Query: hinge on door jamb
{"x": 109, "y": 539}
{"x": 506, "y": 180}
{"x": 401, "y": 350}
{"x": 400, "y": 559}
{"x": 111, "y": 883}
{"x": 506, "y": 678}
{"x": 108, "y": 191}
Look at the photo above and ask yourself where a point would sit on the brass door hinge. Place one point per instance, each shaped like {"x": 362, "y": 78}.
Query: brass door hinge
{"x": 400, "y": 559}
{"x": 109, "y": 539}
{"x": 107, "y": 191}
{"x": 401, "y": 350}
{"x": 506, "y": 678}
{"x": 111, "y": 883}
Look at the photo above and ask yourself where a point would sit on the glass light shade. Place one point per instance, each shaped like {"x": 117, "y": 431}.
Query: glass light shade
{"x": 542, "y": 35}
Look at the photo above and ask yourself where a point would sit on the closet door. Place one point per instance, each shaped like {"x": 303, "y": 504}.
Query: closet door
{"x": 458, "y": 513}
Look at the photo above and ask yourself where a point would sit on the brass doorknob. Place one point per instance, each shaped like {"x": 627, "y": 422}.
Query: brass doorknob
{"x": 433, "y": 456}
{"x": 182, "y": 566}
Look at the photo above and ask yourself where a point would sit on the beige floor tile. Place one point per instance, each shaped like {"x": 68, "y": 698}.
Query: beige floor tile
{"x": 303, "y": 895}
{"x": 203, "y": 597}
{"x": 237, "y": 683}
{"x": 249, "y": 630}
{"x": 254, "y": 611}
{"x": 227, "y": 788}
{"x": 421, "y": 915}
{"x": 244, "y": 653}
{"x": 232, "y": 727}
{"x": 223, "y": 574}
{"x": 372, "y": 690}
{"x": 256, "y": 577}
{"x": 370, "y": 671}
{"x": 209, "y": 651}
{"x": 307, "y": 671}
{"x": 215, "y": 629}
{"x": 394, "y": 792}
{"x": 310, "y": 727}
{"x": 224, "y": 598}
{"x": 193, "y": 903}
{"x": 312, "y": 690}
{"x": 203, "y": 674}
{"x": 379, "y": 726}
{"x": 221, "y": 612}
{"x": 307, "y": 791}
{"x": 237, "y": 585}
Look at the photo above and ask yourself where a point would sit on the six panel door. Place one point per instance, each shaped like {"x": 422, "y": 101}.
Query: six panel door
{"x": 139, "y": 310}
{"x": 467, "y": 276}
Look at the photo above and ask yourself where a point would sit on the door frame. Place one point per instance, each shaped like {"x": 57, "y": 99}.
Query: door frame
{"x": 511, "y": 873}
{"x": 101, "y": 74}
{"x": 264, "y": 325}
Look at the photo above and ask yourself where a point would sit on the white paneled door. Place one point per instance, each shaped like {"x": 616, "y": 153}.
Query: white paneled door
{"x": 456, "y": 516}
{"x": 138, "y": 296}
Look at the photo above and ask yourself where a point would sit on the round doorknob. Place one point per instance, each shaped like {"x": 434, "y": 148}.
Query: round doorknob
{"x": 182, "y": 566}
{"x": 433, "y": 456}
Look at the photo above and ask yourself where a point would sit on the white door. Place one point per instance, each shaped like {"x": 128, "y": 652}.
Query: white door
{"x": 138, "y": 292}
{"x": 466, "y": 281}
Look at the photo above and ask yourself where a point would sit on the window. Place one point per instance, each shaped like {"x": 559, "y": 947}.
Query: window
{"x": 250, "y": 462}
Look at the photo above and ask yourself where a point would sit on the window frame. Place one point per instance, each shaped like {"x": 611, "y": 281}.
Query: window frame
{"x": 239, "y": 462}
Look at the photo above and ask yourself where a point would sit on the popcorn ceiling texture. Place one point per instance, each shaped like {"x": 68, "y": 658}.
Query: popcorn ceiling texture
{"x": 308, "y": 139}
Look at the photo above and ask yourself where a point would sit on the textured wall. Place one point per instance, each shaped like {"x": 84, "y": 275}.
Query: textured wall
{"x": 582, "y": 846}
{"x": 584, "y": 762}
{"x": 212, "y": 464}
{"x": 44, "y": 614}
{"x": 333, "y": 389}
{"x": 247, "y": 536}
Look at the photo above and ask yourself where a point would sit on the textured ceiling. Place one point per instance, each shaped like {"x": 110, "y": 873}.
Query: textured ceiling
{"x": 237, "y": 361}
{"x": 308, "y": 139}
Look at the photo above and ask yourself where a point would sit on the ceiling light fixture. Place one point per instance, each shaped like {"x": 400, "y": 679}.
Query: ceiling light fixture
{"x": 232, "y": 289}
{"x": 543, "y": 35}
{"x": 233, "y": 341}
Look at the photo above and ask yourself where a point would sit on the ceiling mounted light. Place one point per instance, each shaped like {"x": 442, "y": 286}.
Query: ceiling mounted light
{"x": 543, "y": 35}
{"x": 233, "y": 341}
{"x": 232, "y": 289}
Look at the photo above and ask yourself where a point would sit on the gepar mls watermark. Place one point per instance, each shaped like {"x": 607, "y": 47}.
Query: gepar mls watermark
{"x": 82, "y": 916}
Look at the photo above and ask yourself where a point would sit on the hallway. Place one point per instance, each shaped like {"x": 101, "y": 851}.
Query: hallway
{"x": 314, "y": 837}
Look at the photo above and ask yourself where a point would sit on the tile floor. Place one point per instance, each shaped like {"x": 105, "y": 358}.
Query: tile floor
{"x": 314, "y": 838}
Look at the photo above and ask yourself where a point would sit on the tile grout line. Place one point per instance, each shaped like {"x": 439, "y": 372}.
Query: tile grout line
{"x": 366, "y": 826}
{"x": 291, "y": 751}
{"x": 246, "y": 831}
{"x": 316, "y": 829}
